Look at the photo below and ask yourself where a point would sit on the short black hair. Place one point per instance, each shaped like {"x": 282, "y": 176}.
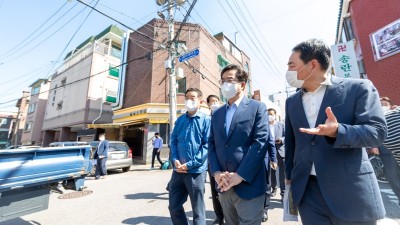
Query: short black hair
{"x": 157, "y": 133}
{"x": 272, "y": 109}
{"x": 314, "y": 49}
{"x": 211, "y": 96}
{"x": 199, "y": 93}
{"x": 240, "y": 75}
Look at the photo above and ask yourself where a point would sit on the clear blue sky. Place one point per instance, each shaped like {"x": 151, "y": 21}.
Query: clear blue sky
{"x": 29, "y": 51}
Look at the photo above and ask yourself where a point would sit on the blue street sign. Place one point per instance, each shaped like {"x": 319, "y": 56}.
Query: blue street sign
{"x": 189, "y": 55}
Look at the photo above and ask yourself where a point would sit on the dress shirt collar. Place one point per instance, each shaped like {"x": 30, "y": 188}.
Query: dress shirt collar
{"x": 326, "y": 82}
{"x": 237, "y": 102}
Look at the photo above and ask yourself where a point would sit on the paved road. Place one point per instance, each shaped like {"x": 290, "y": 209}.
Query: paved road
{"x": 139, "y": 197}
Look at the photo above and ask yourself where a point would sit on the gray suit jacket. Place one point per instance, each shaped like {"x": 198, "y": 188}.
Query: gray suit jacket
{"x": 279, "y": 132}
{"x": 345, "y": 175}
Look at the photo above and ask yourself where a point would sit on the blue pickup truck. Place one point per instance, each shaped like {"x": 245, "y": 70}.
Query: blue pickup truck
{"x": 26, "y": 176}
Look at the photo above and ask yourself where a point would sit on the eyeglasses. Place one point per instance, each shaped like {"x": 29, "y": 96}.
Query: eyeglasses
{"x": 229, "y": 81}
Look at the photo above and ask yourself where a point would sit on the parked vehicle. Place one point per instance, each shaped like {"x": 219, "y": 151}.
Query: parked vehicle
{"x": 26, "y": 176}
{"x": 119, "y": 155}
{"x": 67, "y": 143}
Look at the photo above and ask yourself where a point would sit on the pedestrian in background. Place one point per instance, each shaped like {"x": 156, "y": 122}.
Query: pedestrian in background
{"x": 213, "y": 103}
{"x": 390, "y": 150}
{"x": 327, "y": 123}
{"x": 101, "y": 155}
{"x": 189, "y": 149}
{"x": 237, "y": 146}
{"x": 277, "y": 130}
{"x": 157, "y": 145}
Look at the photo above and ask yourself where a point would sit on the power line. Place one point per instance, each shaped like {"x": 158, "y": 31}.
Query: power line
{"x": 255, "y": 45}
{"x": 47, "y": 36}
{"x": 110, "y": 68}
{"x": 31, "y": 38}
{"x": 144, "y": 35}
{"x": 69, "y": 42}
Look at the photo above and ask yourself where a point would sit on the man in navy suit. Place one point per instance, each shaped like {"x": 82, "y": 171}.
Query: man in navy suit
{"x": 238, "y": 142}
{"x": 101, "y": 156}
{"x": 328, "y": 121}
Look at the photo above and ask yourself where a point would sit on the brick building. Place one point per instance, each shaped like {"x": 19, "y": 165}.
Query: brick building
{"x": 375, "y": 26}
{"x": 145, "y": 108}
{"x": 32, "y": 134}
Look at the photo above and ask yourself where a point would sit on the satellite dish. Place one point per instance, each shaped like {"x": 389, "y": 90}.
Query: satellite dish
{"x": 160, "y": 2}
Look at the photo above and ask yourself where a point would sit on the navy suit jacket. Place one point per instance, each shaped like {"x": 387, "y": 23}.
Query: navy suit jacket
{"x": 345, "y": 175}
{"x": 244, "y": 148}
{"x": 102, "y": 149}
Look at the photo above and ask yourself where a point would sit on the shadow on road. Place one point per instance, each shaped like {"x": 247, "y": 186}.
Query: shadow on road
{"x": 148, "y": 195}
{"x": 155, "y": 220}
{"x": 19, "y": 221}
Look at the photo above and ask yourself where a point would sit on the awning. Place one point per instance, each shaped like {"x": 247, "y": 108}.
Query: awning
{"x": 104, "y": 125}
{"x": 158, "y": 120}
{"x": 117, "y": 125}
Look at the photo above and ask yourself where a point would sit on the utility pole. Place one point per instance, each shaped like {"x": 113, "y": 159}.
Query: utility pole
{"x": 16, "y": 129}
{"x": 170, "y": 64}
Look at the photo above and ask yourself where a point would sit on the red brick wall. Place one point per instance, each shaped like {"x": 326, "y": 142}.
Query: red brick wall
{"x": 147, "y": 81}
{"x": 369, "y": 16}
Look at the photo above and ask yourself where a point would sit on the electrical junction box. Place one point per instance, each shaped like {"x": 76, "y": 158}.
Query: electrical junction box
{"x": 168, "y": 64}
{"x": 179, "y": 73}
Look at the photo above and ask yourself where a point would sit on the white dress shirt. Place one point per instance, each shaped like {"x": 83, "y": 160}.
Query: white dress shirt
{"x": 312, "y": 103}
{"x": 230, "y": 111}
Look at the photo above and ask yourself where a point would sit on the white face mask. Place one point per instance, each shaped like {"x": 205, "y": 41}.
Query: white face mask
{"x": 228, "y": 90}
{"x": 190, "y": 105}
{"x": 214, "y": 106}
{"x": 385, "y": 108}
{"x": 101, "y": 138}
{"x": 271, "y": 118}
{"x": 291, "y": 78}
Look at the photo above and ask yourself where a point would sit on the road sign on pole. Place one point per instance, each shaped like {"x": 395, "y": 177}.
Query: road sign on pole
{"x": 189, "y": 55}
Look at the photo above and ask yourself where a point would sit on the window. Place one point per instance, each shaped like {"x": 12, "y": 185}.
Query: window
{"x": 164, "y": 132}
{"x": 63, "y": 81}
{"x": 59, "y": 105}
{"x": 3, "y": 121}
{"x": 32, "y": 108}
{"x": 116, "y": 52}
{"x": 181, "y": 85}
{"x": 348, "y": 28}
{"x": 28, "y": 126}
{"x": 35, "y": 90}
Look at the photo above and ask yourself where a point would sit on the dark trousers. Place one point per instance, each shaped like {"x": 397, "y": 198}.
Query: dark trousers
{"x": 314, "y": 210}
{"x": 267, "y": 199}
{"x": 181, "y": 186}
{"x": 214, "y": 195}
{"x": 391, "y": 169}
{"x": 155, "y": 153}
{"x": 101, "y": 169}
{"x": 281, "y": 168}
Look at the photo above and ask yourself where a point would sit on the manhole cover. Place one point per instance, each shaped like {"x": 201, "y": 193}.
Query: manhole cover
{"x": 76, "y": 194}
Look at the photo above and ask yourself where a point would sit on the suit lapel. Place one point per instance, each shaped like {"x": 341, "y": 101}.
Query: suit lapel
{"x": 221, "y": 119}
{"x": 331, "y": 95}
{"x": 240, "y": 109}
{"x": 298, "y": 108}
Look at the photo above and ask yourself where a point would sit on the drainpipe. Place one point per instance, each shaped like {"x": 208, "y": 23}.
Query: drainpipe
{"x": 121, "y": 82}
{"x": 102, "y": 91}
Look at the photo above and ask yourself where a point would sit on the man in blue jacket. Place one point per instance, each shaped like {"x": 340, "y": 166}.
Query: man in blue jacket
{"x": 101, "y": 155}
{"x": 328, "y": 121}
{"x": 238, "y": 143}
{"x": 189, "y": 149}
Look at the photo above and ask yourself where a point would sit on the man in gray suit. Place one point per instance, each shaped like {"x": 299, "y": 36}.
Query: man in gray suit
{"x": 239, "y": 139}
{"x": 277, "y": 130}
{"x": 328, "y": 121}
